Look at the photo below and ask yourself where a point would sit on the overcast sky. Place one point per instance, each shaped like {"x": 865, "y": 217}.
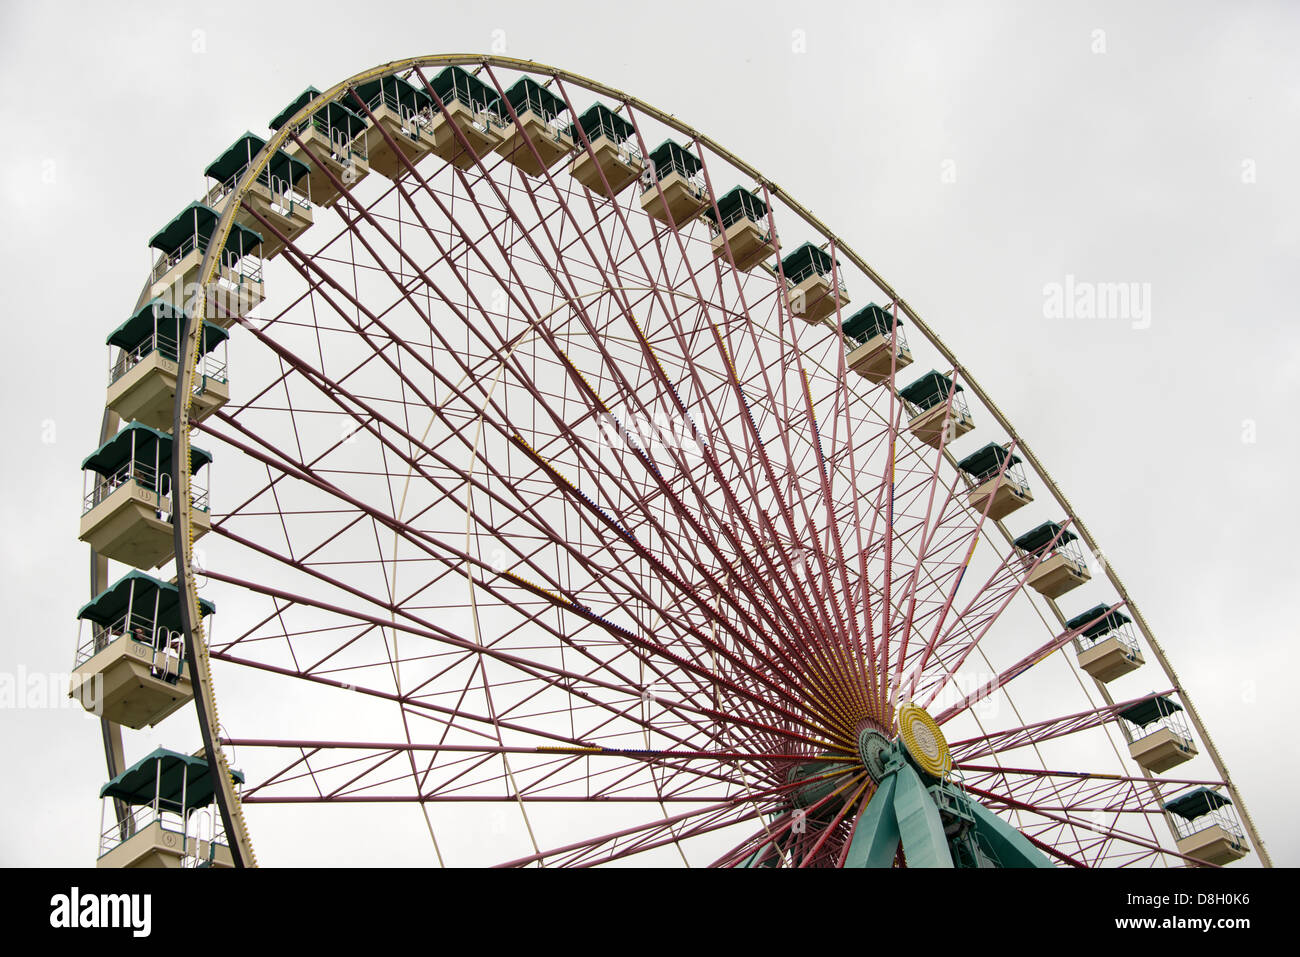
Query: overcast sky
{"x": 974, "y": 153}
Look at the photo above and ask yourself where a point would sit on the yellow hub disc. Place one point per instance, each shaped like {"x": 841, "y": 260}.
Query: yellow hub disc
{"x": 923, "y": 740}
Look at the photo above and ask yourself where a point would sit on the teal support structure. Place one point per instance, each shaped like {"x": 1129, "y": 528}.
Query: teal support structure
{"x": 1012, "y": 848}
{"x": 875, "y": 840}
{"x": 919, "y": 826}
{"x": 934, "y": 821}
{"x": 937, "y": 824}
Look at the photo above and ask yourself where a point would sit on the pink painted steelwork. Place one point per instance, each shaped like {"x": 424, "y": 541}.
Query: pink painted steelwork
{"x": 558, "y": 609}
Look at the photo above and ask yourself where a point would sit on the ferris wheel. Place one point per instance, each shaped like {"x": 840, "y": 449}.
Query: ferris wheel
{"x": 516, "y": 466}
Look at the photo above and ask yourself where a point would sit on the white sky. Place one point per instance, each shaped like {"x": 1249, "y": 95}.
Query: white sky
{"x": 1170, "y": 159}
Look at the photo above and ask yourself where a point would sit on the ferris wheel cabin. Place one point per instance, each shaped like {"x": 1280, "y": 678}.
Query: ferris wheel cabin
{"x": 1158, "y": 737}
{"x": 1000, "y": 486}
{"x": 127, "y": 510}
{"x": 172, "y": 821}
{"x": 132, "y": 669}
{"x": 143, "y": 373}
{"x": 467, "y": 111}
{"x": 280, "y": 194}
{"x": 1107, "y": 647}
{"x": 609, "y": 163}
{"x": 674, "y": 193}
{"x": 808, "y": 272}
{"x": 927, "y": 401}
{"x": 1207, "y": 827}
{"x": 537, "y": 122}
{"x": 1060, "y": 567}
{"x": 181, "y": 246}
{"x": 742, "y": 228}
{"x": 333, "y": 146}
{"x": 403, "y": 112}
{"x": 869, "y": 333}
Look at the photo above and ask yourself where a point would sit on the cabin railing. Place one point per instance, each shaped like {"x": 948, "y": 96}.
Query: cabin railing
{"x": 284, "y": 195}
{"x": 146, "y": 477}
{"x": 140, "y": 628}
{"x": 127, "y": 359}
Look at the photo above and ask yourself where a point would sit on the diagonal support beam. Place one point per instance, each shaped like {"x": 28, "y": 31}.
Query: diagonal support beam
{"x": 919, "y": 826}
{"x": 875, "y": 839}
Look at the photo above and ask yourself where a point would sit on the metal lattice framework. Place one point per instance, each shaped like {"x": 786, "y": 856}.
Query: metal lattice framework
{"x": 536, "y": 515}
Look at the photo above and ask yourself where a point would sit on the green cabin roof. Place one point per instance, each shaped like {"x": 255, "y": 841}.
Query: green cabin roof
{"x": 336, "y": 115}
{"x": 869, "y": 321}
{"x": 669, "y": 155}
{"x": 987, "y": 461}
{"x": 740, "y": 202}
{"x": 110, "y": 604}
{"x": 1197, "y": 802}
{"x": 1109, "y": 622}
{"x": 929, "y": 390}
{"x": 1152, "y": 709}
{"x": 197, "y": 221}
{"x": 114, "y": 453}
{"x": 301, "y": 100}
{"x": 241, "y": 152}
{"x": 165, "y": 775}
{"x": 1037, "y": 538}
{"x": 396, "y": 89}
{"x": 457, "y": 83}
{"x": 805, "y": 261}
{"x": 601, "y": 120}
{"x": 166, "y": 317}
{"x": 527, "y": 94}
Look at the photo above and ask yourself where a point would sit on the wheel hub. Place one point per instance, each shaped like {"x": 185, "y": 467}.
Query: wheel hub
{"x": 924, "y": 741}
{"x": 874, "y": 749}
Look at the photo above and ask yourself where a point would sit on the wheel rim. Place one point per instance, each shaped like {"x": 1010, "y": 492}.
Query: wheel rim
{"x": 785, "y": 693}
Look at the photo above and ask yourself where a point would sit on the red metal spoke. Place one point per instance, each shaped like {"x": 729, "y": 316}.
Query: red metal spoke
{"x": 1014, "y": 671}
{"x": 1040, "y": 731}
